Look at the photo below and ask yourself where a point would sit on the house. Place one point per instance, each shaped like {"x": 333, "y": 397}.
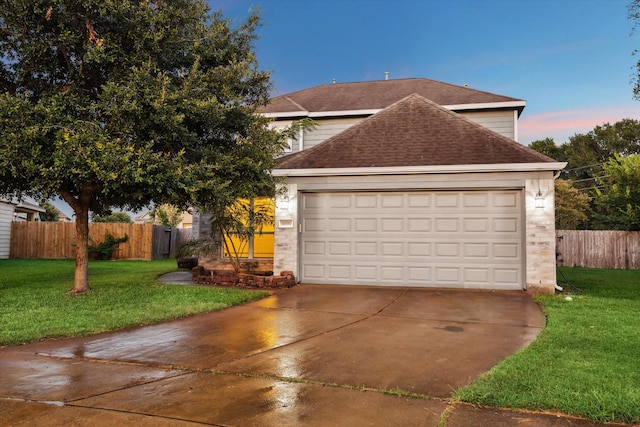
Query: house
{"x": 15, "y": 210}
{"x": 413, "y": 182}
{"x": 186, "y": 219}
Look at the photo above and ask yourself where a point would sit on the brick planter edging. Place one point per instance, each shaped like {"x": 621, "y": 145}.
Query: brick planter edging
{"x": 202, "y": 276}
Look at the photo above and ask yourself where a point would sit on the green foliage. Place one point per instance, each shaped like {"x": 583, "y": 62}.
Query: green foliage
{"x": 104, "y": 250}
{"x": 619, "y": 200}
{"x": 167, "y": 215}
{"x": 50, "y": 214}
{"x": 36, "y": 304}
{"x": 197, "y": 247}
{"x": 587, "y": 155}
{"x": 634, "y": 14}
{"x": 585, "y": 362}
{"x": 120, "y": 217}
{"x": 572, "y": 206}
{"x": 549, "y": 148}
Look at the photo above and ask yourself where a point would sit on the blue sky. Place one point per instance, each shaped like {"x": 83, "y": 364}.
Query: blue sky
{"x": 571, "y": 60}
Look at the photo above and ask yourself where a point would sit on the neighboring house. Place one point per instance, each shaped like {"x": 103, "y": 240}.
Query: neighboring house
{"x": 14, "y": 210}
{"x": 186, "y": 220}
{"x": 62, "y": 217}
{"x": 413, "y": 182}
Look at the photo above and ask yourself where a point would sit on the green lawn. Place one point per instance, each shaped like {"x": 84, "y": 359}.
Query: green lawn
{"x": 586, "y": 361}
{"x": 35, "y": 301}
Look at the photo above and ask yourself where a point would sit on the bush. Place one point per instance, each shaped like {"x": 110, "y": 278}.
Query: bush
{"x": 104, "y": 250}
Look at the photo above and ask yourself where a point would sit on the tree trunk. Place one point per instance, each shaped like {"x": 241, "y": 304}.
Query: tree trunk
{"x": 81, "y": 276}
{"x": 80, "y": 206}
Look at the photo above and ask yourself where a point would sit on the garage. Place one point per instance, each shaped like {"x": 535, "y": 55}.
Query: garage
{"x": 470, "y": 238}
{"x": 416, "y": 195}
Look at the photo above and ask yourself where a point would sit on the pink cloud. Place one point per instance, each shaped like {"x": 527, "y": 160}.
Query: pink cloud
{"x": 560, "y": 125}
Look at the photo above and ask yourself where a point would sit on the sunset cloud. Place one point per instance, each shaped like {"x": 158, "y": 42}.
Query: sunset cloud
{"x": 560, "y": 125}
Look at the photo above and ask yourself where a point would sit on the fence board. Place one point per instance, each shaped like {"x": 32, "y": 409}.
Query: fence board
{"x": 56, "y": 240}
{"x": 599, "y": 249}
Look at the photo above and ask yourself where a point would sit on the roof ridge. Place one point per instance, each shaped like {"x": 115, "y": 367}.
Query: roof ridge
{"x": 288, "y": 98}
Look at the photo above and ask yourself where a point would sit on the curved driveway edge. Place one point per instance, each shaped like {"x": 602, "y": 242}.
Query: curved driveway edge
{"x": 309, "y": 355}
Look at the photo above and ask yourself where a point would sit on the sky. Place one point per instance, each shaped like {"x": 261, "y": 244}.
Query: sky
{"x": 570, "y": 60}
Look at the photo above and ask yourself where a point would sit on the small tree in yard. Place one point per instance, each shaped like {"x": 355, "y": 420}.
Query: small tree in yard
{"x": 124, "y": 103}
{"x": 167, "y": 215}
{"x": 50, "y": 213}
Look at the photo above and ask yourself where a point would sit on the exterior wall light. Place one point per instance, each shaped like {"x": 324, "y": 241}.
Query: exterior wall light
{"x": 285, "y": 219}
{"x": 540, "y": 200}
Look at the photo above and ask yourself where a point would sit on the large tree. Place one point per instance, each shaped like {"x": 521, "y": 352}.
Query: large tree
{"x": 619, "y": 199}
{"x": 120, "y": 103}
{"x": 572, "y": 206}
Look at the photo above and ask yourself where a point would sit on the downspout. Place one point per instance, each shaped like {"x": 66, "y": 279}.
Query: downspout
{"x": 558, "y": 287}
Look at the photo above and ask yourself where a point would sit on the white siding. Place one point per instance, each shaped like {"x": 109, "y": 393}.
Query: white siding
{"x": 325, "y": 129}
{"x": 6, "y": 216}
{"x": 503, "y": 122}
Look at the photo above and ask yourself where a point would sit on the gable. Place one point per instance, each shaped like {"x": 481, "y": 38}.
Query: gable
{"x": 413, "y": 132}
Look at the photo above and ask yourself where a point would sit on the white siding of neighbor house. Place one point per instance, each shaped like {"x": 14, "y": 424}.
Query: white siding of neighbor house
{"x": 502, "y": 122}
{"x": 6, "y": 217}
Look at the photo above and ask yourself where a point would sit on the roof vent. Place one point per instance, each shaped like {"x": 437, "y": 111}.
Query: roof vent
{"x": 333, "y": 80}
{"x": 386, "y": 75}
{"x": 466, "y": 85}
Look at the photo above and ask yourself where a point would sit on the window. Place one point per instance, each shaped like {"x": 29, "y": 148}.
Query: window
{"x": 256, "y": 214}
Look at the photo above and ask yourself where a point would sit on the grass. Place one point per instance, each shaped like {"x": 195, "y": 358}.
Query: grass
{"x": 35, "y": 302}
{"x": 586, "y": 362}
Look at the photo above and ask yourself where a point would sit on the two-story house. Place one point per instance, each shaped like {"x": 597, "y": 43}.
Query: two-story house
{"x": 413, "y": 182}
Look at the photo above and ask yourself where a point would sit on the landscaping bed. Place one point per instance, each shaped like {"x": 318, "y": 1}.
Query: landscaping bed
{"x": 254, "y": 280}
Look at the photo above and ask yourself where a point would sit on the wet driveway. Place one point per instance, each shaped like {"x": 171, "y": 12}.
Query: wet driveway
{"x": 311, "y": 355}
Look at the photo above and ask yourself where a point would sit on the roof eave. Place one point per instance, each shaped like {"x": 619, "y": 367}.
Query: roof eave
{"x": 516, "y": 104}
{"x": 415, "y": 170}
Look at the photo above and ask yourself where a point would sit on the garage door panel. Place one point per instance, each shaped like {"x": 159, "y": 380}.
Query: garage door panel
{"x": 392, "y": 201}
{"x": 314, "y": 248}
{"x": 392, "y": 225}
{"x": 447, "y": 200}
{"x": 448, "y": 238}
{"x": 476, "y": 275}
{"x": 447, "y": 250}
{"x": 339, "y": 248}
{"x": 419, "y": 200}
{"x": 419, "y": 225}
{"x": 446, "y": 225}
{"x": 366, "y": 225}
{"x": 419, "y": 249}
{"x": 392, "y": 273}
{"x": 314, "y": 271}
{"x": 339, "y": 225}
{"x": 392, "y": 249}
{"x": 340, "y": 272}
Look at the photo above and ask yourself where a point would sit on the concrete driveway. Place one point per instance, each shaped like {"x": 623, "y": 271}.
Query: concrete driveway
{"x": 313, "y": 355}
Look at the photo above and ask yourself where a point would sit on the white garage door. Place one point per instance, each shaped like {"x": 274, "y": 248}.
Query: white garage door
{"x": 469, "y": 239}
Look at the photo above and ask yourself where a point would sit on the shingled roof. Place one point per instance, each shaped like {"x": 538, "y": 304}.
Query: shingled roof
{"x": 413, "y": 132}
{"x": 376, "y": 95}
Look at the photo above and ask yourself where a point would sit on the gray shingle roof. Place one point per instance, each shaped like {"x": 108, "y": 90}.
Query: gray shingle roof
{"x": 378, "y": 95}
{"x": 413, "y": 132}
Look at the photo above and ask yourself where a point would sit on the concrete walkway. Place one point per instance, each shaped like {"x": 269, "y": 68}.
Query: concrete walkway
{"x": 311, "y": 355}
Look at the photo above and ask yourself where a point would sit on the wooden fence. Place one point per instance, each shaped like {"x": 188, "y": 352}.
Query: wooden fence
{"x": 598, "y": 249}
{"x": 56, "y": 240}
